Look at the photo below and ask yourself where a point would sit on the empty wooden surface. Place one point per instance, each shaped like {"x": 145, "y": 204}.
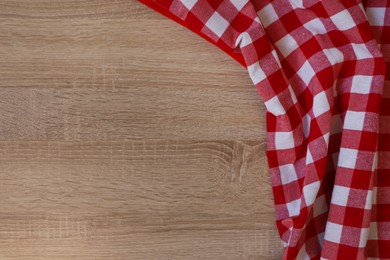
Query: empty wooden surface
{"x": 125, "y": 136}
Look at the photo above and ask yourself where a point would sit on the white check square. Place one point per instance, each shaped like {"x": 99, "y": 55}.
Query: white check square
{"x": 189, "y": 3}
{"x": 347, "y": 158}
{"x": 376, "y": 15}
{"x": 354, "y": 120}
{"x": 284, "y": 140}
{"x": 239, "y": 4}
{"x": 310, "y": 192}
{"x": 288, "y": 173}
{"x": 361, "y": 51}
{"x": 274, "y": 106}
{"x": 217, "y": 24}
{"x": 268, "y": 15}
{"x": 333, "y": 232}
{"x": 361, "y": 84}
{"x": 363, "y": 237}
{"x": 294, "y": 207}
{"x": 306, "y": 72}
{"x": 287, "y": 45}
{"x": 333, "y": 55}
{"x": 343, "y": 20}
{"x": 256, "y": 73}
{"x": 373, "y": 233}
{"x": 340, "y": 195}
{"x": 315, "y": 26}
{"x": 320, "y": 104}
{"x": 243, "y": 40}
{"x": 306, "y": 122}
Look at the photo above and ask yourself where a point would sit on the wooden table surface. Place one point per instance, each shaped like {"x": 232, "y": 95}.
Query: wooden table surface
{"x": 126, "y": 136}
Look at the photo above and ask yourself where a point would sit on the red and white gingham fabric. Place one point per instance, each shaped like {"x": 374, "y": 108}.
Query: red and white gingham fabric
{"x": 319, "y": 66}
{"x": 378, "y": 13}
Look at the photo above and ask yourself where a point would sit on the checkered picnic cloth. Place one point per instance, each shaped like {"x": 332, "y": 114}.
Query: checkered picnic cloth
{"x": 319, "y": 67}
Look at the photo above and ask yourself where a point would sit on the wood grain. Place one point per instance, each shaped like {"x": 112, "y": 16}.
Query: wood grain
{"x": 125, "y": 136}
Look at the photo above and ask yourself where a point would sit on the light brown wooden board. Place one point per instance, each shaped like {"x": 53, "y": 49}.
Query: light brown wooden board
{"x": 125, "y": 136}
